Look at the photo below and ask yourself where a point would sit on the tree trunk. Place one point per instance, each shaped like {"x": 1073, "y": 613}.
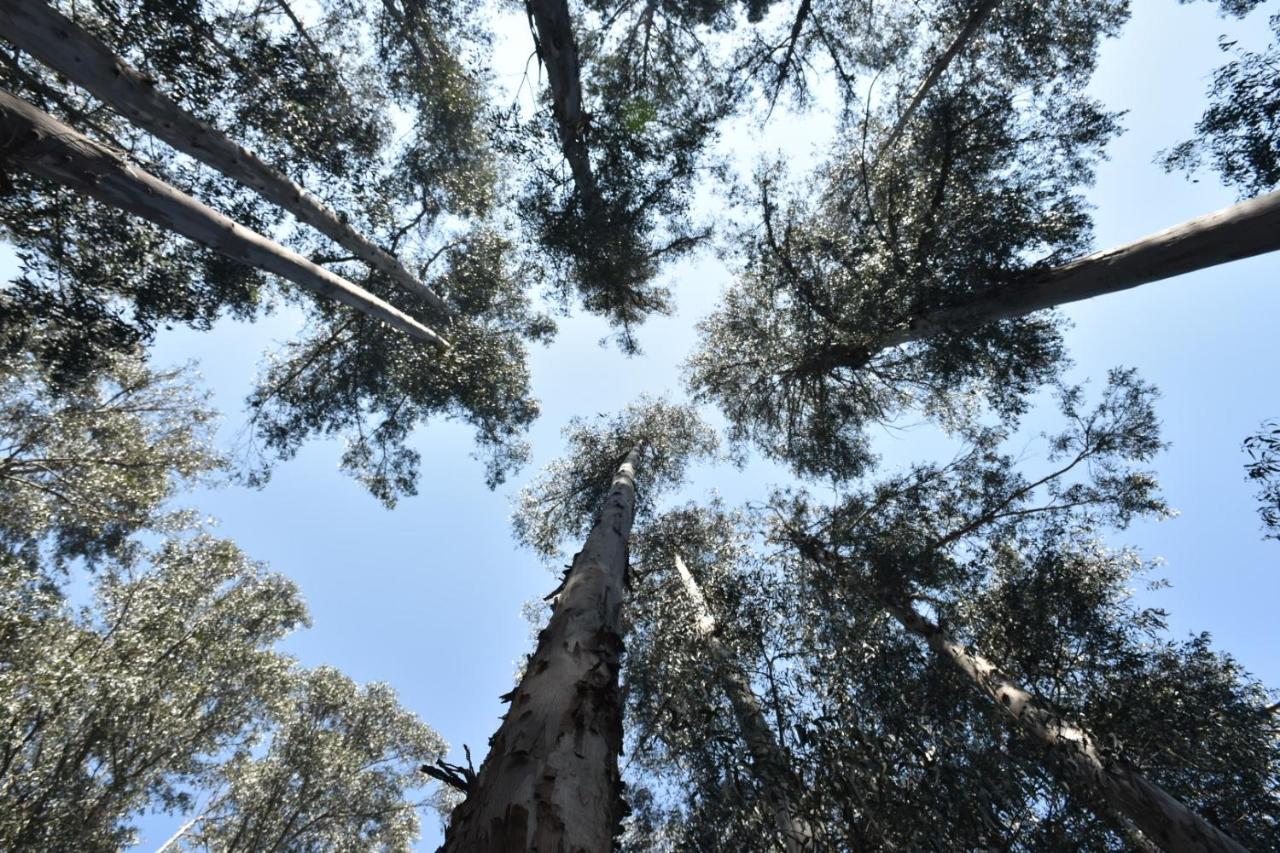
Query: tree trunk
{"x": 769, "y": 762}
{"x": 551, "y": 782}
{"x": 43, "y": 146}
{"x": 65, "y": 47}
{"x": 1160, "y": 817}
{"x": 940, "y": 65}
{"x": 1241, "y": 231}
{"x": 558, "y": 50}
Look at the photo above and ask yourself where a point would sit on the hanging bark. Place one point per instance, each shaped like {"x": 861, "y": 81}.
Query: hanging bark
{"x": 1241, "y": 231}
{"x": 769, "y": 761}
{"x": 558, "y": 50}
{"x": 551, "y": 782}
{"x": 936, "y": 70}
{"x": 61, "y": 44}
{"x": 35, "y": 142}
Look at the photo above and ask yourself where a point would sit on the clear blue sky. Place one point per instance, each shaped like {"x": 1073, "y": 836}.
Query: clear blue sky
{"x": 428, "y": 597}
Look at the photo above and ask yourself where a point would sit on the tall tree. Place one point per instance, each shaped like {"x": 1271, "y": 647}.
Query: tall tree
{"x": 1263, "y": 468}
{"x": 551, "y": 779}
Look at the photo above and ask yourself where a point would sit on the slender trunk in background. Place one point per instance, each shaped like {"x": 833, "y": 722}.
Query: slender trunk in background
{"x": 1161, "y": 818}
{"x": 939, "y": 67}
{"x": 768, "y": 760}
{"x": 61, "y": 44}
{"x": 36, "y": 142}
{"x": 1241, "y": 231}
{"x": 558, "y": 50}
{"x": 551, "y": 782}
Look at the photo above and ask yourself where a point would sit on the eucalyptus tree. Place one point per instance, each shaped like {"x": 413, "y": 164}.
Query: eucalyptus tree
{"x": 1032, "y": 611}
{"x": 311, "y": 100}
{"x": 1239, "y": 132}
{"x": 551, "y": 778}
{"x": 84, "y": 466}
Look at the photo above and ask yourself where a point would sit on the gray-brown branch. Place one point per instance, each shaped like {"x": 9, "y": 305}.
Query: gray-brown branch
{"x": 36, "y": 142}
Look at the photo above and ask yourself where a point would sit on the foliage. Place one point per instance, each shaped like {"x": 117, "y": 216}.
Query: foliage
{"x": 333, "y": 778}
{"x": 1264, "y": 469}
{"x": 84, "y": 466}
{"x": 793, "y": 357}
{"x": 1239, "y": 133}
{"x": 124, "y": 705}
{"x": 563, "y": 502}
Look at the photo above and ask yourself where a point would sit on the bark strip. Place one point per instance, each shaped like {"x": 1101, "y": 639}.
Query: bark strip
{"x": 551, "y": 781}
{"x": 1241, "y": 231}
{"x": 35, "y": 142}
{"x": 1159, "y": 816}
{"x": 67, "y": 48}
{"x": 936, "y": 70}
{"x": 769, "y": 761}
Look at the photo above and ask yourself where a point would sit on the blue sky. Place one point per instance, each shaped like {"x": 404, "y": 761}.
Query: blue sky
{"x": 428, "y": 597}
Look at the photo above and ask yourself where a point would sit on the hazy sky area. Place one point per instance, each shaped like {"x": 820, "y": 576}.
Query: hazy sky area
{"x": 428, "y": 597}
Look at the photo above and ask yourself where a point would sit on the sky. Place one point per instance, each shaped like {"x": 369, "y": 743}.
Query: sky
{"x": 428, "y": 597}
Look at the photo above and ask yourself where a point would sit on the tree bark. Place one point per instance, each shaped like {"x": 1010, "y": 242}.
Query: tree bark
{"x": 1161, "y": 818}
{"x": 558, "y": 50}
{"x": 769, "y": 761}
{"x": 1241, "y": 231}
{"x": 551, "y": 782}
{"x": 65, "y": 47}
{"x": 41, "y": 145}
{"x": 940, "y": 65}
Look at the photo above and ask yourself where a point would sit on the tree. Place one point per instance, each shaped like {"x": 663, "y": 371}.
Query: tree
{"x": 551, "y": 777}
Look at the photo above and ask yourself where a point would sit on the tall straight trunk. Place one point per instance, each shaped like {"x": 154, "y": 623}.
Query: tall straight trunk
{"x": 551, "y": 782}
{"x": 61, "y": 44}
{"x": 1161, "y": 818}
{"x": 1241, "y": 231}
{"x": 769, "y": 761}
{"x": 936, "y": 70}
{"x": 558, "y": 50}
{"x": 36, "y": 142}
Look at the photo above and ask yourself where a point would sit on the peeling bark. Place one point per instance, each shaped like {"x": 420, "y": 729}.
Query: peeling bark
{"x": 65, "y": 47}
{"x": 558, "y": 50}
{"x": 1157, "y": 815}
{"x": 936, "y": 70}
{"x": 1241, "y": 231}
{"x": 35, "y": 142}
{"x": 769, "y": 761}
{"x": 550, "y": 782}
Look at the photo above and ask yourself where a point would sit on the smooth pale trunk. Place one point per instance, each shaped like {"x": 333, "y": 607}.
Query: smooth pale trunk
{"x": 43, "y": 146}
{"x": 936, "y": 71}
{"x": 1241, "y": 231}
{"x": 769, "y": 762}
{"x": 558, "y": 50}
{"x": 1161, "y": 818}
{"x": 65, "y": 47}
{"x": 550, "y": 782}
